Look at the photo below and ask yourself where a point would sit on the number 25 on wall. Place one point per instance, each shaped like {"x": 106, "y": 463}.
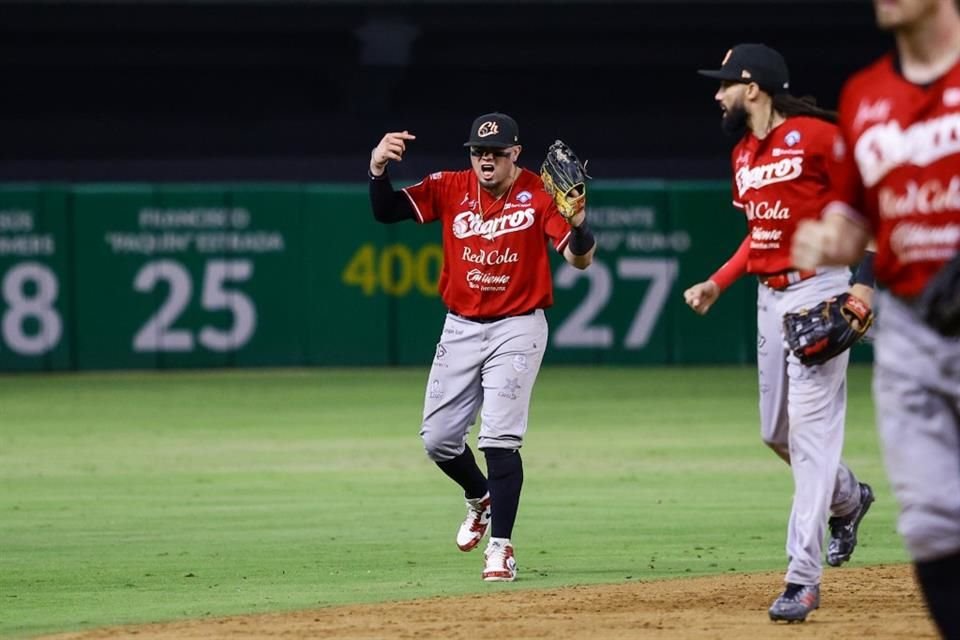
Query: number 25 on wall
{"x": 158, "y": 333}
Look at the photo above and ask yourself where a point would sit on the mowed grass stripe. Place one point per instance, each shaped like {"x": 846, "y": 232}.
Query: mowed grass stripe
{"x": 128, "y": 497}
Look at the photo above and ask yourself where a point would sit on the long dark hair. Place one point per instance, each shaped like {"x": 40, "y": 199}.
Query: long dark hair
{"x": 789, "y": 105}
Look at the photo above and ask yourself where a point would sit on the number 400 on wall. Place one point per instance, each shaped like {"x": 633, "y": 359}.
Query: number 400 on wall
{"x": 396, "y": 269}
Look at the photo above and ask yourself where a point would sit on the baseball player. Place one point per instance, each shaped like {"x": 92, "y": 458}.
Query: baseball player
{"x": 899, "y": 182}
{"x": 780, "y": 178}
{"x": 497, "y": 221}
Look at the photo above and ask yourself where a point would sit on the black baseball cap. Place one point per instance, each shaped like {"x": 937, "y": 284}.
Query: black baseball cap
{"x": 494, "y": 130}
{"x": 753, "y": 63}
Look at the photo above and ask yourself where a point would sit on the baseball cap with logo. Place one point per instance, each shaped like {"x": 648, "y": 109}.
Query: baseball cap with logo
{"x": 494, "y": 130}
{"x": 753, "y": 63}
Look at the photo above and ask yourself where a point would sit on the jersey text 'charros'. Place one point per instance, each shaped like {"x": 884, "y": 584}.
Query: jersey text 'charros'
{"x": 779, "y": 181}
{"x": 495, "y": 260}
{"x": 902, "y": 177}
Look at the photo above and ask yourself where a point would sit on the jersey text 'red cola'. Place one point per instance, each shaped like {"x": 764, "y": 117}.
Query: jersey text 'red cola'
{"x": 778, "y": 181}
{"x": 898, "y": 167}
{"x": 494, "y": 264}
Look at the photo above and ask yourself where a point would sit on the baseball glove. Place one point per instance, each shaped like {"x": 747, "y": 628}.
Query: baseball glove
{"x": 827, "y": 330}
{"x": 565, "y": 179}
{"x": 940, "y": 301}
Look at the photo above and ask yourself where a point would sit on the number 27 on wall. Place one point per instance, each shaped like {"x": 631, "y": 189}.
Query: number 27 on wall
{"x": 577, "y": 331}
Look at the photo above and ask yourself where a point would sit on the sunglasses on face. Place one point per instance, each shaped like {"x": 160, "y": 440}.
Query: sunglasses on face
{"x": 479, "y": 152}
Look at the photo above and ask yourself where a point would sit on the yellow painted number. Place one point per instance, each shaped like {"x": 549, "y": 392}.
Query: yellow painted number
{"x": 394, "y": 269}
{"x": 429, "y": 263}
{"x": 359, "y": 272}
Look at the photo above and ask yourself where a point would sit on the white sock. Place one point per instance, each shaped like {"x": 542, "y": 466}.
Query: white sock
{"x": 503, "y": 542}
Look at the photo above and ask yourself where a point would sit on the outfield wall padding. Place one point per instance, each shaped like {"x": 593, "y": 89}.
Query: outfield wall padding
{"x": 172, "y": 276}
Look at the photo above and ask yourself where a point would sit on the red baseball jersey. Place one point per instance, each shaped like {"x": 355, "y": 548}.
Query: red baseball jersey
{"x": 779, "y": 181}
{"x": 495, "y": 260}
{"x": 898, "y": 170}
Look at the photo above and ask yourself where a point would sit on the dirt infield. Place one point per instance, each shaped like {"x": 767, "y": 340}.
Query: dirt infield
{"x": 871, "y": 602}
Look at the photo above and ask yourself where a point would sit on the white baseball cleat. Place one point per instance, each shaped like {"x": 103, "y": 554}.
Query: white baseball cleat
{"x": 474, "y": 526}
{"x": 499, "y": 563}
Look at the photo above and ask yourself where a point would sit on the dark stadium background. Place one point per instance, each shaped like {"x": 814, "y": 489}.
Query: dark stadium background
{"x": 301, "y": 91}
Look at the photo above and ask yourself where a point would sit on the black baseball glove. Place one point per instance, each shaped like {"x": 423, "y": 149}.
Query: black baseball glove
{"x": 940, "y": 301}
{"x": 565, "y": 179}
{"x": 827, "y": 330}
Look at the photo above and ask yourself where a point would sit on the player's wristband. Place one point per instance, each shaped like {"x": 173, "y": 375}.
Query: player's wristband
{"x": 864, "y": 273}
{"x": 382, "y": 176}
{"x": 581, "y": 239}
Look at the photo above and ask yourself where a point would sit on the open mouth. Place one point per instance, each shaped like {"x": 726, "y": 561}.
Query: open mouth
{"x": 486, "y": 169}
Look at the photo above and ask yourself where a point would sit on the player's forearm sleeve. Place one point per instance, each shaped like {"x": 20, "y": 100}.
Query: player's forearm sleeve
{"x": 864, "y": 272}
{"x": 388, "y": 206}
{"x": 581, "y": 240}
{"x": 733, "y": 268}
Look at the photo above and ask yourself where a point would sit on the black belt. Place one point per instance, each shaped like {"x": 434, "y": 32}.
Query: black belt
{"x": 489, "y": 319}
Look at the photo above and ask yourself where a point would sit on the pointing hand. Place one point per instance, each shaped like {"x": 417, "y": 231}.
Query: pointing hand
{"x": 391, "y": 147}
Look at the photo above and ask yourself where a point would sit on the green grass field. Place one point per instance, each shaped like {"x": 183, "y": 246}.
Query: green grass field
{"x": 129, "y": 497}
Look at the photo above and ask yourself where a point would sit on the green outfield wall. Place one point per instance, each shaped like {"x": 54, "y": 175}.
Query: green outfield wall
{"x": 143, "y": 276}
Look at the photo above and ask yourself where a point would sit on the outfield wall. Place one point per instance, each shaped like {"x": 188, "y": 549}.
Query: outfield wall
{"x": 143, "y": 276}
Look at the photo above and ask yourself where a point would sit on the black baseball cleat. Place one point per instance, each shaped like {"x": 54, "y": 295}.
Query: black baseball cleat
{"x": 796, "y": 602}
{"x": 843, "y": 529}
